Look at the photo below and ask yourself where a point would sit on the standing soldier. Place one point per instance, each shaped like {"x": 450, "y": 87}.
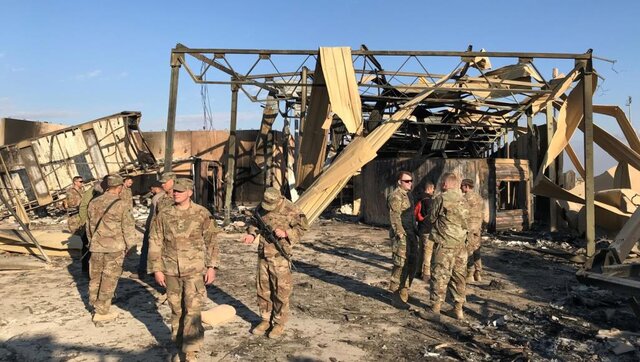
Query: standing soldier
{"x": 156, "y": 191}
{"x": 126, "y": 195}
{"x": 88, "y": 195}
{"x": 109, "y": 225}
{"x": 167, "y": 181}
{"x": 403, "y": 234}
{"x": 281, "y": 225}
{"x": 425, "y": 244}
{"x": 474, "y": 226}
{"x": 183, "y": 254}
{"x": 73, "y": 196}
{"x": 448, "y": 216}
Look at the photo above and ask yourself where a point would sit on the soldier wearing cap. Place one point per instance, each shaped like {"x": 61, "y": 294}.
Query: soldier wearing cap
{"x": 448, "y": 215}
{"x": 167, "y": 181}
{"x": 474, "y": 225}
{"x": 273, "y": 280}
{"x": 109, "y": 226}
{"x": 157, "y": 192}
{"x": 183, "y": 254}
{"x": 403, "y": 235}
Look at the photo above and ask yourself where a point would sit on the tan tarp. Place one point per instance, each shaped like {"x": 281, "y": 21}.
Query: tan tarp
{"x": 568, "y": 121}
{"x": 626, "y": 177}
{"x": 340, "y": 78}
{"x": 607, "y": 216}
{"x": 559, "y": 87}
{"x": 630, "y": 231}
{"x": 615, "y": 147}
{"x": 626, "y": 200}
{"x": 575, "y": 160}
{"x": 357, "y": 153}
{"x": 313, "y": 143}
{"x": 626, "y": 126}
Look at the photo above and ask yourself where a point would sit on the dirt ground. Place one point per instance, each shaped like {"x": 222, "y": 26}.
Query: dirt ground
{"x": 529, "y": 306}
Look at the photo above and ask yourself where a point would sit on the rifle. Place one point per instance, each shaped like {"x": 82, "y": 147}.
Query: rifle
{"x": 268, "y": 233}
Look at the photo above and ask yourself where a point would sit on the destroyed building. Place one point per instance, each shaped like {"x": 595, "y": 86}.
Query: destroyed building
{"x": 353, "y": 118}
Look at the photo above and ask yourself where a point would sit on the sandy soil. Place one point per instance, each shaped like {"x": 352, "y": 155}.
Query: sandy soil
{"x": 529, "y": 306}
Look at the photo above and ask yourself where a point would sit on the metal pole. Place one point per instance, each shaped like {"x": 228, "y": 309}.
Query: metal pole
{"x": 553, "y": 218}
{"x": 24, "y": 227}
{"x": 590, "y": 231}
{"x": 532, "y": 152}
{"x": 231, "y": 156}
{"x": 303, "y": 115}
{"x": 176, "y": 60}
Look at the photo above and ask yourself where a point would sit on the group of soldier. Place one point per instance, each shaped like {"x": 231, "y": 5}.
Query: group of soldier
{"x": 437, "y": 238}
{"x": 180, "y": 249}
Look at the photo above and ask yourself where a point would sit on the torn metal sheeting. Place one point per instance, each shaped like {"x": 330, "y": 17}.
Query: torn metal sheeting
{"x": 39, "y": 170}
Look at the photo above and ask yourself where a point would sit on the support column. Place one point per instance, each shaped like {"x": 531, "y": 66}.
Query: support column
{"x": 230, "y": 173}
{"x": 532, "y": 152}
{"x": 553, "y": 217}
{"x": 303, "y": 115}
{"x": 176, "y": 61}
{"x": 590, "y": 231}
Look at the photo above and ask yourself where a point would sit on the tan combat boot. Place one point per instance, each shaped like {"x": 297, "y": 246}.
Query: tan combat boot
{"x": 276, "y": 332}
{"x": 469, "y": 276}
{"x": 97, "y": 317}
{"x": 426, "y": 277}
{"x": 397, "y": 302}
{"x": 261, "y": 328}
{"x": 191, "y": 357}
{"x": 404, "y": 294}
{"x": 435, "y": 308}
{"x": 477, "y": 276}
{"x": 458, "y": 311}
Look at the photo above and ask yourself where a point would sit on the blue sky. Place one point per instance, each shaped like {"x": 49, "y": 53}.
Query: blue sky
{"x": 73, "y": 61}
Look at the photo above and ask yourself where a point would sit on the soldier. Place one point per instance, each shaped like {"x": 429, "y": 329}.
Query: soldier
{"x": 474, "y": 226}
{"x": 448, "y": 216}
{"x": 403, "y": 234}
{"x": 109, "y": 225}
{"x": 425, "y": 244}
{"x": 183, "y": 255}
{"x": 273, "y": 280}
{"x": 166, "y": 199}
{"x": 126, "y": 195}
{"x": 72, "y": 199}
{"x": 87, "y": 197}
{"x": 156, "y": 191}
{"x": 73, "y": 194}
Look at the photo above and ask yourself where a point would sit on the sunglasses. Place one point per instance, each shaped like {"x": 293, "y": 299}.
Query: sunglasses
{"x": 406, "y": 181}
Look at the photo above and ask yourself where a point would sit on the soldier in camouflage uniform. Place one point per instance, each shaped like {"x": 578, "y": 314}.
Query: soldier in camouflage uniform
{"x": 109, "y": 225}
{"x": 273, "y": 280}
{"x": 167, "y": 180}
{"x": 425, "y": 242}
{"x": 403, "y": 235}
{"x": 183, "y": 254}
{"x": 448, "y": 216}
{"x": 73, "y": 194}
{"x": 72, "y": 199}
{"x": 87, "y": 197}
{"x": 474, "y": 226}
{"x": 126, "y": 195}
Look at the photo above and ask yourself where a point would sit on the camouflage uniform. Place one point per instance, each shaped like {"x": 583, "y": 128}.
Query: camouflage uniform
{"x": 73, "y": 196}
{"x": 448, "y": 216}
{"x": 108, "y": 245}
{"x": 183, "y": 245}
{"x": 474, "y": 226}
{"x": 87, "y": 197}
{"x": 127, "y": 196}
{"x": 273, "y": 279}
{"x": 403, "y": 234}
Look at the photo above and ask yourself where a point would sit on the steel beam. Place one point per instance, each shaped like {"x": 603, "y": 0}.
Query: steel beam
{"x": 231, "y": 156}
{"x": 553, "y": 216}
{"x": 176, "y": 61}
{"x": 181, "y": 49}
{"x": 590, "y": 231}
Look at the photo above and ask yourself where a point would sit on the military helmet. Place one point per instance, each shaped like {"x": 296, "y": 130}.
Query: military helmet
{"x": 271, "y": 198}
